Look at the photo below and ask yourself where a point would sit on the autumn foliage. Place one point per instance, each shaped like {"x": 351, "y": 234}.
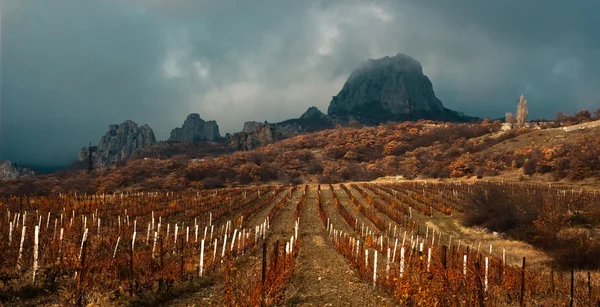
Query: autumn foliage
{"x": 423, "y": 149}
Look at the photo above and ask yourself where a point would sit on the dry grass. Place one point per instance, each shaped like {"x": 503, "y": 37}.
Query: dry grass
{"x": 515, "y": 250}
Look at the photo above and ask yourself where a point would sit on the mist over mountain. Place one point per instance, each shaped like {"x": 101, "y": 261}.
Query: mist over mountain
{"x": 390, "y": 88}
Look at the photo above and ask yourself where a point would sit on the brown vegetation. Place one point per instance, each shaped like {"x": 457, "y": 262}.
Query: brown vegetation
{"x": 559, "y": 221}
{"x": 423, "y": 149}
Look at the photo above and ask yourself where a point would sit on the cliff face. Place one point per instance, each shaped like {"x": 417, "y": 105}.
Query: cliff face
{"x": 119, "y": 143}
{"x": 253, "y": 135}
{"x": 390, "y": 88}
{"x": 195, "y": 129}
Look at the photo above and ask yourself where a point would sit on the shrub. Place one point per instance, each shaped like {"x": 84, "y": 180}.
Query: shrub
{"x": 212, "y": 183}
{"x": 479, "y": 172}
{"x": 315, "y": 167}
{"x": 327, "y": 180}
{"x": 529, "y": 166}
{"x": 492, "y": 208}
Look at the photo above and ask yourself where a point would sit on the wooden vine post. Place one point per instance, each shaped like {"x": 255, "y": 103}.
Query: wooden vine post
{"x": 571, "y": 298}
{"x": 522, "y": 298}
{"x": 264, "y": 273}
{"x": 443, "y": 256}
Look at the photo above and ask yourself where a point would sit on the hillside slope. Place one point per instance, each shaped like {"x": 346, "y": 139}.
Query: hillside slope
{"x": 423, "y": 149}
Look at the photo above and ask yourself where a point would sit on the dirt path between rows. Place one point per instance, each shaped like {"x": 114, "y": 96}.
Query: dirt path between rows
{"x": 211, "y": 294}
{"x": 323, "y": 277}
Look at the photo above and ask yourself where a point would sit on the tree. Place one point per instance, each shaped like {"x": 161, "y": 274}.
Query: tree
{"x": 561, "y": 118}
{"x": 583, "y": 116}
{"x": 522, "y": 112}
{"x": 510, "y": 119}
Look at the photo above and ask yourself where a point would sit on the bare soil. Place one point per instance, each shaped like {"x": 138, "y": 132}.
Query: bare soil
{"x": 323, "y": 277}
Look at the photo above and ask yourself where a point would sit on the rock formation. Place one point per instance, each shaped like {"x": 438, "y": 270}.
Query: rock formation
{"x": 258, "y": 135}
{"x": 195, "y": 129}
{"x": 390, "y": 88}
{"x": 250, "y": 127}
{"x": 119, "y": 143}
{"x": 9, "y": 170}
{"x": 313, "y": 113}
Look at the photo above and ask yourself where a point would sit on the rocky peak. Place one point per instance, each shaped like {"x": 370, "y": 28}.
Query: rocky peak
{"x": 119, "y": 142}
{"x": 389, "y": 88}
{"x": 313, "y": 113}
{"x": 195, "y": 129}
{"x": 9, "y": 170}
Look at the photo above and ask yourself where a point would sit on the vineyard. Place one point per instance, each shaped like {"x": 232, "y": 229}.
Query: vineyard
{"x": 360, "y": 244}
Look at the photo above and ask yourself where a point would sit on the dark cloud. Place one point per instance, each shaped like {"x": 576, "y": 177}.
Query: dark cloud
{"x": 69, "y": 68}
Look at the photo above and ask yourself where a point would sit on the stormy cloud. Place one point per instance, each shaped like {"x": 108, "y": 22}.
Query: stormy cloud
{"x": 69, "y": 68}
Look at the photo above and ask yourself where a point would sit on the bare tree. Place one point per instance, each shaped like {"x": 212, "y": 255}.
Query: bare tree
{"x": 509, "y": 119}
{"x": 522, "y": 112}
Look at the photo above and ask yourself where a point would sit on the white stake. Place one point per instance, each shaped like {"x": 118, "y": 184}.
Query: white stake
{"x": 215, "y": 251}
{"x": 486, "y": 273}
{"x": 428, "y": 258}
{"x": 402, "y": 262}
{"x": 21, "y": 246}
{"x": 387, "y": 265}
{"x": 175, "y": 241}
{"x": 133, "y": 242}
{"x": 233, "y": 240}
{"x": 60, "y": 240}
{"x": 366, "y": 258}
{"x": 83, "y": 241}
{"x": 154, "y": 244}
{"x": 10, "y": 229}
{"x": 224, "y": 244}
{"x": 201, "y": 257}
{"x": 35, "y": 250}
{"x": 375, "y": 268}
{"x": 395, "y": 247}
{"x": 116, "y": 247}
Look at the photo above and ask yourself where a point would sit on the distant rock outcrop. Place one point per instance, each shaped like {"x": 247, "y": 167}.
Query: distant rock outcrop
{"x": 390, "y": 88}
{"x": 119, "y": 143}
{"x": 195, "y": 129}
{"x": 10, "y": 170}
{"x": 253, "y": 135}
{"x": 313, "y": 113}
{"x": 250, "y": 127}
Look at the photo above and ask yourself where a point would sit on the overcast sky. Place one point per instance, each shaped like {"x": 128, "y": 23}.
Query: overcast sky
{"x": 69, "y": 68}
